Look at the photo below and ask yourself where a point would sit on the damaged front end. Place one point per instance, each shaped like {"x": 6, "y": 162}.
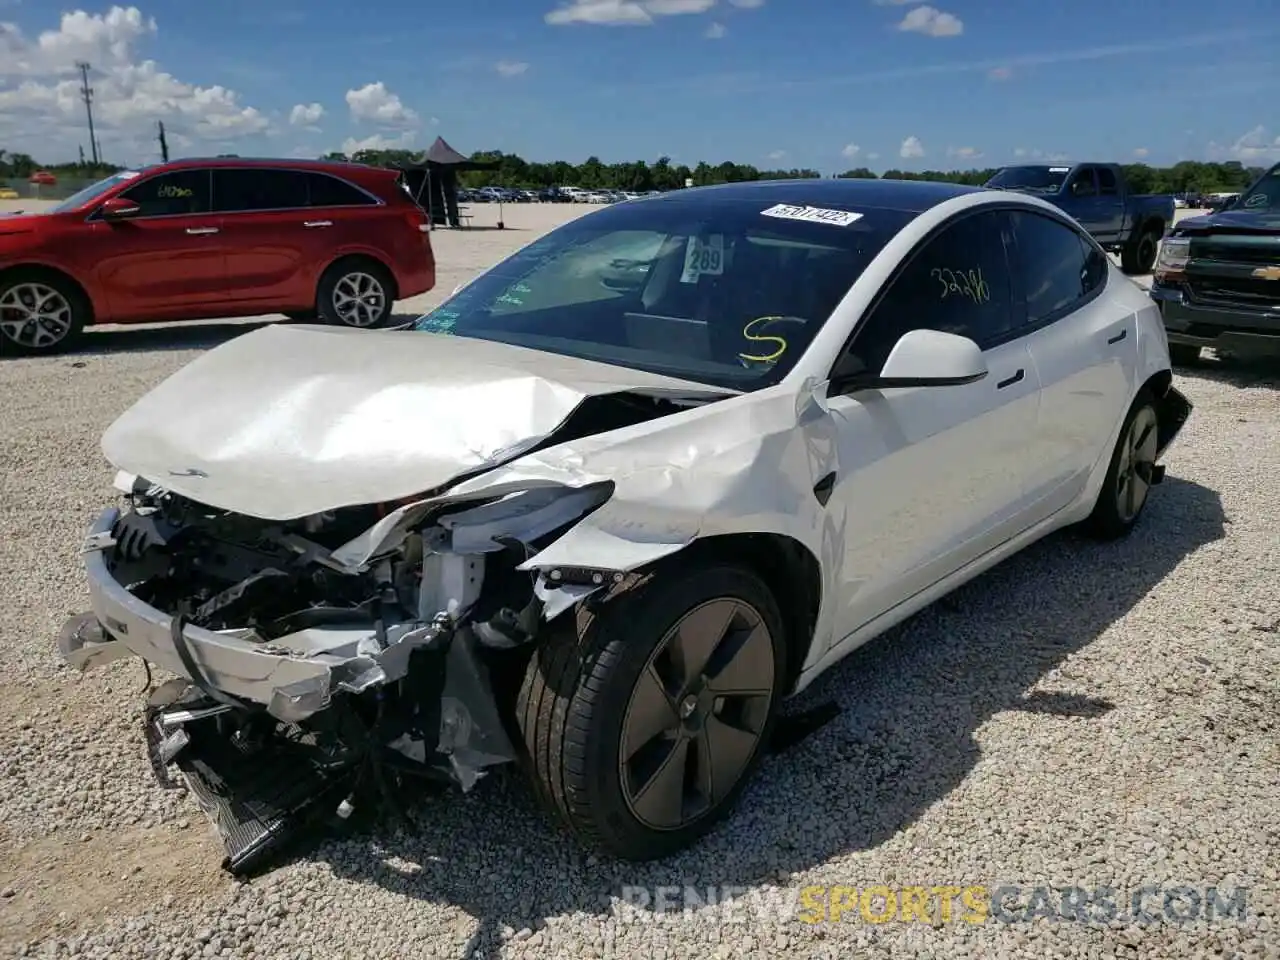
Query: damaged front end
{"x": 319, "y": 661}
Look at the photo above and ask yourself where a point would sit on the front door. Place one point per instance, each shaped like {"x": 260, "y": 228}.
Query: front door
{"x": 169, "y": 258}
{"x": 931, "y": 478}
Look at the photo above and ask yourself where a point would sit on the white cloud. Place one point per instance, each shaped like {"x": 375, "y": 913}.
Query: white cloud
{"x": 1256, "y": 146}
{"x": 964, "y": 153}
{"x": 1141, "y": 151}
{"x": 851, "y": 151}
{"x": 376, "y": 104}
{"x": 777, "y": 155}
{"x": 40, "y": 108}
{"x": 715, "y": 31}
{"x": 379, "y": 141}
{"x": 1052, "y": 156}
{"x": 306, "y": 115}
{"x": 911, "y": 148}
{"x": 932, "y": 22}
{"x": 873, "y": 156}
{"x": 511, "y": 68}
{"x": 999, "y": 73}
{"x": 615, "y": 13}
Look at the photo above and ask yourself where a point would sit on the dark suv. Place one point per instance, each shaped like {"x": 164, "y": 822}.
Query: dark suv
{"x": 1217, "y": 279}
{"x": 225, "y": 237}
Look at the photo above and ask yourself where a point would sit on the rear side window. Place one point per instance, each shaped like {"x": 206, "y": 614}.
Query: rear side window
{"x": 172, "y": 194}
{"x": 326, "y": 191}
{"x": 238, "y": 190}
{"x": 1107, "y": 182}
{"x": 1054, "y": 263}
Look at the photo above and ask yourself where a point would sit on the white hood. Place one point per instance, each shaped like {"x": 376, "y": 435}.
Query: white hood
{"x": 291, "y": 420}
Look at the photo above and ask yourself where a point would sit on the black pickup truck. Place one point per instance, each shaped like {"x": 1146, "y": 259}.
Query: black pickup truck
{"x": 1098, "y": 197}
{"x": 1217, "y": 279}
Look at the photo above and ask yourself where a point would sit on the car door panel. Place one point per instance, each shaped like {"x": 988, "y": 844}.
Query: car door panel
{"x": 1084, "y": 351}
{"x": 270, "y": 250}
{"x": 168, "y": 258}
{"x": 931, "y": 478}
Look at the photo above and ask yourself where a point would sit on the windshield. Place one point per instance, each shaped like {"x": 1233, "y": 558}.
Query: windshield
{"x": 711, "y": 290}
{"x": 81, "y": 197}
{"x": 1034, "y": 179}
{"x": 1263, "y": 195}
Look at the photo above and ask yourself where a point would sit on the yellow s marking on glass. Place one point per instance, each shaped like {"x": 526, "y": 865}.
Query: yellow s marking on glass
{"x": 768, "y": 358}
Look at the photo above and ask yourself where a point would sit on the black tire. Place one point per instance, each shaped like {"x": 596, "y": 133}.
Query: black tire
{"x": 20, "y": 337}
{"x": 573, "y": 705}
{"x": 1111, "y": 519}
{"x": 1139, "y": 256}
{"x": 1184, "y": 354}
{"x": 348, "y": 276}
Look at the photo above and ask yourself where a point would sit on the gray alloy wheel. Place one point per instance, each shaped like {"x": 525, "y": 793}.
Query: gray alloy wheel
{"x": 1137, "y": 465}
{"x": 360, "y": 299}
{"x": 35, "y": 316}
{"x": 696, "y": 714}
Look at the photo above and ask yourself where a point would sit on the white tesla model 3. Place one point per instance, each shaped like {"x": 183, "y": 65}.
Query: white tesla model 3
{"x": 607, "y": 506}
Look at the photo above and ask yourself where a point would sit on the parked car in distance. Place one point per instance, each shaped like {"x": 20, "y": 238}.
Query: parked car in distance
{"x": 198, "y": 239}
{"x": 1098, "y": 197}
{"x": 652, "y": 513}
{"x": 1217, "y": 280}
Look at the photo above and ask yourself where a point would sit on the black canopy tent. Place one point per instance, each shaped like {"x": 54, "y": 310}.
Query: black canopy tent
{"x": 433, "y": 180}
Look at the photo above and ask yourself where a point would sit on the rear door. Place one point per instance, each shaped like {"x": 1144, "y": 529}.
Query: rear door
{"x": 271, "y": 253}
{"x": 1085, "y": 352}
{"x": 338, "y": 213}
{"x": 169, "y": 258}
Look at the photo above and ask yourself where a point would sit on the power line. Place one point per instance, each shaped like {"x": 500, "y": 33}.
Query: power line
{"x": 86, "y": 94}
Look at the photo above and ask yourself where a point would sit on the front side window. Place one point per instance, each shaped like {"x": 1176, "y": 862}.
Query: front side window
{"x": 958, "y": 282}
{"x": 1053, "y": 263}
{"x": 241, "y": 190}
{"x": 1107, "y": 185}
{"x": 1082, "y": 184}
{"x": 172, "y": 194}
{"x": 714, "y": 291}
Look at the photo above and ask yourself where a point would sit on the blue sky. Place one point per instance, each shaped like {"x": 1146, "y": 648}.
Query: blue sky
{"x": 820, "y": 83}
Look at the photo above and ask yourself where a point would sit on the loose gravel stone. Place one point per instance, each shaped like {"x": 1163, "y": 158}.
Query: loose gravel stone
{"x": 1086, "y": 714}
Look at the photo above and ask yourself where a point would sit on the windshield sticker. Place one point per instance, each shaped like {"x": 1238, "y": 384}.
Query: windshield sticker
{"x": 703, "y": 256}
{"x": 787, "y": 211}
{"x": 1059, "y": 169}
{"x": 968, "y": 284}
{"x": 1257, "y": 200}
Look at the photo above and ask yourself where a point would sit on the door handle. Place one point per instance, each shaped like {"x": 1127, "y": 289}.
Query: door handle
{"x": 200, "y": 231}
{"x": 1118, "y": 337}
{"x": 318, "y": 223}
{"x": 1016, "y": 378}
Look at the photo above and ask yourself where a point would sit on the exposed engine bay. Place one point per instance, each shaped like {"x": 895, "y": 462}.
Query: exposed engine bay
{"x": 409, "y": 617}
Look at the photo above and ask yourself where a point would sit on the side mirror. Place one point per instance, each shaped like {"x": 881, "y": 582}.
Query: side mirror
{"x": 922, "y": 358}
{"x": 118, "y": 208}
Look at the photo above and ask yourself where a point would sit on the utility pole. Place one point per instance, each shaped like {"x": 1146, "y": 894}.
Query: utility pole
{"x": 86, "y": 94}
{"x": 82, "y": 155}
{"x": 164, "y": 145}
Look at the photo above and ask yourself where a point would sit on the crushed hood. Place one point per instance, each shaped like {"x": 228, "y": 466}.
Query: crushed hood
{"x": 289, "y": 421}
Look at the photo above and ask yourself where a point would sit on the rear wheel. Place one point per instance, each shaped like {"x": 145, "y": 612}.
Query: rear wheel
{"x": 1131, "y": 472}
{"x": 1183, "y": 354}
{"x": 40, "y": 313}
{"x": 1139, "y": 256}
{"x": 355, "y": 293}
{"x": 644, "y": 721}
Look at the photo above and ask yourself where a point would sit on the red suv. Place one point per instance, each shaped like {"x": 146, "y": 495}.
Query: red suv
{"x": 197, "y": 239}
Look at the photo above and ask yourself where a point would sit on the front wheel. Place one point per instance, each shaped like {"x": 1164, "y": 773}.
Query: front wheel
{"x": 40, "y": 313}
{"x": 1139, "y": 256}
{"x": 1130, "y": 474}
{"x": 355, "y": 293}
{"x": 644, "y": 720}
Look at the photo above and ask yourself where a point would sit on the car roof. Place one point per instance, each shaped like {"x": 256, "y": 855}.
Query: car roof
{"x": 909, "y": 196}
{"x": 333, "y": 166}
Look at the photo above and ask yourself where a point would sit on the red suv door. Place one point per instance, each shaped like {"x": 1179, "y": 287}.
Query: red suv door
{"x": 272, "y": 250}
{"x": 167, "y": 260}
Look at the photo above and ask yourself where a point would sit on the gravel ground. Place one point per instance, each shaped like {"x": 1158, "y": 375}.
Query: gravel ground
{"x": 1083, "y": 715}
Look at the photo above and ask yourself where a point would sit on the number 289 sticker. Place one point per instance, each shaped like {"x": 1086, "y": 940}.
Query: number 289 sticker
{"x": 703, "y": 255}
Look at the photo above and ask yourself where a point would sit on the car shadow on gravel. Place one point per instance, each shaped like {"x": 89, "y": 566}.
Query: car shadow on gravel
{"x": 1235, "y": 371}
{"x": 910, "y": 702}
